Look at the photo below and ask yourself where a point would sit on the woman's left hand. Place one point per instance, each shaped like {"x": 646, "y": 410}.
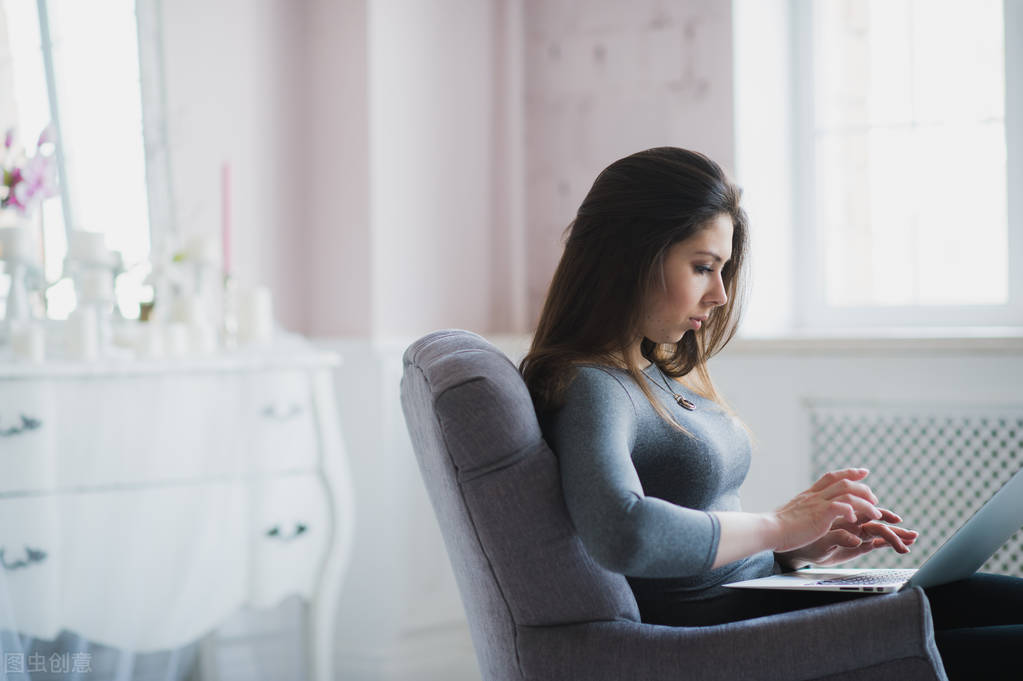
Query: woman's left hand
{"x": 846, "y": 541}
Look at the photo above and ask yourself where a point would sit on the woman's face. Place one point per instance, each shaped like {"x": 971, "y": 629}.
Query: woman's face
{"x": 692, "y": 283}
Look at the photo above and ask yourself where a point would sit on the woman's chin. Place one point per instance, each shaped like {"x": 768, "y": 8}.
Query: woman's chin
{"x": 674, "y": 339}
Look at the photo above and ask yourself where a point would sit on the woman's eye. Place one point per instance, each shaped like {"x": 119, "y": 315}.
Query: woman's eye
{"x": 703, "y": 269}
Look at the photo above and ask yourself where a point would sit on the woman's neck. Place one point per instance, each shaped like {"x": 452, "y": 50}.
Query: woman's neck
{"x": 635, "y": 354}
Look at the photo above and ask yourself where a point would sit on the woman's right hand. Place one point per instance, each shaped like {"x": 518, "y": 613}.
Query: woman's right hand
{"x": 838, "y": 496}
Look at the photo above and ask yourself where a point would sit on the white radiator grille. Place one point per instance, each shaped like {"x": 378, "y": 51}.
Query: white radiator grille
{"x": 933, "y": 465}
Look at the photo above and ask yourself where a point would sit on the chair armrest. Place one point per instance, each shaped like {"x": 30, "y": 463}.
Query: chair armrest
{"x": 880, "y": 637}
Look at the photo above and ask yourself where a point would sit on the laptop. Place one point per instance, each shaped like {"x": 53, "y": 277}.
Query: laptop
{"x": 959, "y": 557}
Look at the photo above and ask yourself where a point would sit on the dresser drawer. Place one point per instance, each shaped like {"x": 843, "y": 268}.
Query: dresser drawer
{"x": 28, "y": 432}
{"x": 291, "y": 528}
{"x": 116, "y": 431}
{"x": 29, "y": 536}
{"x": 143, "y": 570}
{"x": 85, "y": 432}
{"x": 281, "y": 427}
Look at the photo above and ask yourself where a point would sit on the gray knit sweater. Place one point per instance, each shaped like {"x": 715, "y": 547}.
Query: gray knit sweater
{"x": 639, "y": 491}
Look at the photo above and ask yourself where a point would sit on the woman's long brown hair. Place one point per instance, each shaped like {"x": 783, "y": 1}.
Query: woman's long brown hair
{"x": 638, "y": 207}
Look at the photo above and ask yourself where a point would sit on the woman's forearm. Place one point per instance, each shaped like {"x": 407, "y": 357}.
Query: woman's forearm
{"x": 743, "y": 534}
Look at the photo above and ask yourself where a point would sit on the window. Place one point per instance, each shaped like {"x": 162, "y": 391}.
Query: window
{"x": 901, "y": 121}
{"x": 77, "y": 64}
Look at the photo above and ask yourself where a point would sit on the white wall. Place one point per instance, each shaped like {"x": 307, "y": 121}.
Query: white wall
{"x": 767, "y": 383}
{"x": 400, "y": 616}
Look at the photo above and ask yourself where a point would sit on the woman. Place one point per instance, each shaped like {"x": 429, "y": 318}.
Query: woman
{"x": 648, "y": 289}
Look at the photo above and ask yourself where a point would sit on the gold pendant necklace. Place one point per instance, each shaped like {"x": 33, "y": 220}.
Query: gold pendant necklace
{"x": 682, "y": 401}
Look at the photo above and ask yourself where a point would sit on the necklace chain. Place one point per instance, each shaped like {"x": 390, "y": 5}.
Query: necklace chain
{"x": 682, "y": 401}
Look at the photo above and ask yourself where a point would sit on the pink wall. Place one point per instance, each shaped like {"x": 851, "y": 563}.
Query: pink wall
{"x": 431, "y": 155}
{"x": 402, "y": 167}
{"x": 338, "y": 245}
{"x": 605, "y": 79}
{"x": 231, "y": 93}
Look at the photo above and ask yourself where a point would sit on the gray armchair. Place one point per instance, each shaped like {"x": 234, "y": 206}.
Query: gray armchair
{"x": 540, "y": 609}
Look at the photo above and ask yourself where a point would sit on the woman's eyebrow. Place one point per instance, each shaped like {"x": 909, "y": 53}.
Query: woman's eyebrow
{"x": 710, "y": 253}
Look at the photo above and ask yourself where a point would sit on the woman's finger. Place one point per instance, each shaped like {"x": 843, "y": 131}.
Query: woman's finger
{"x": 845, "y": 554}
{"x": 831, "y": 477}
{"x": 847, "y": 486}
{"x": 843, "y": 539}
{"x": 889, "y": 516}
{"x": 888, "y": 534}
{"x": 839, "y": 510}
{"x": 907, "y": 536}
{"x": 901, "y": 531}
{"x": 865, "y": 511}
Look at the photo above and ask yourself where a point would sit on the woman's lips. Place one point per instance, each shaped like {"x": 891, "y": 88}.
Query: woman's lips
{"x": 697, "y": 323}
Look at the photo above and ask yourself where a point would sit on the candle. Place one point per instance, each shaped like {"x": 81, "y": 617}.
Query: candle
{"x": 28, "y": 341}
{"x": 82, "y": 334}
{"x": 225, "y": 214}
{"x": 17, "y": 243}
{"x": 203, "y": 337}
{"x": 149, "y": 341}
{"x": 95, "y": 285}
{"x": 255, "y": 316}
{"x": 187, "y": 309}
{"x": 175, "y": 339}
{"x": 89, "y": 247}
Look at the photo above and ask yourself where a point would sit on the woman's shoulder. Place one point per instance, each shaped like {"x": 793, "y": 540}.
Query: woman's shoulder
{"x": 601, "y": 373}
{"x": 591, "y": 380}
{"x": 596, "y": 393}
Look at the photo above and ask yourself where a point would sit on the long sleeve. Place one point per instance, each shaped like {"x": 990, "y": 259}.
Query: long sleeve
{"x": 594, "y": 435}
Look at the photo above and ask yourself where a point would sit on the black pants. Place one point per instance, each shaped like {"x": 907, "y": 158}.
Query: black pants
{"x": 978, "y": 622}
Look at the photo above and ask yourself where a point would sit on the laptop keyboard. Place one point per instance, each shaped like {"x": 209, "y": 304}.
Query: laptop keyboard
{"x": 874, "y": 577}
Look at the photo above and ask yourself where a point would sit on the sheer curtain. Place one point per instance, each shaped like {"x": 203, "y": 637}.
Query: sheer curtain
{"x": 70, "y": 657}
{"x": 155, "y": 524}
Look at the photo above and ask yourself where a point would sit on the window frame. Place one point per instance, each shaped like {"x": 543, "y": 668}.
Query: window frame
{"x": 810, "y": 309}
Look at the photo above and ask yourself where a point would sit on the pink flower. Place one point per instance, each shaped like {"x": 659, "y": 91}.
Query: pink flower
{"x": 26, "y": 185}
{"x": 47, "y": 136}
{"x": 36, "y": 181}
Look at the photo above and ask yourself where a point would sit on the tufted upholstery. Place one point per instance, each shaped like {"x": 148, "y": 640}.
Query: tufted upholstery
{"x": 539, "y": 608}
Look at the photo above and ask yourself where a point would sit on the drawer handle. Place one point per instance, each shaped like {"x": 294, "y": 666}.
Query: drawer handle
{"x": 271, "y": 411}
{"x": 31, "y": 556}
{"x": 27, "y": 423}
{"x": 275, "y": 531}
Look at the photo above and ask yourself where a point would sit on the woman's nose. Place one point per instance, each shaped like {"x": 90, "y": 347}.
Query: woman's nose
{"x": 717, "y": 295}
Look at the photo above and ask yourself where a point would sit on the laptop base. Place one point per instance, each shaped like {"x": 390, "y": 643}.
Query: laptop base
{"x": 820, "y": 579}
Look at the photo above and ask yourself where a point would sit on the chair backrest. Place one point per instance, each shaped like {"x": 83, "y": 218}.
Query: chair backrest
{"x": 495, "y": 487}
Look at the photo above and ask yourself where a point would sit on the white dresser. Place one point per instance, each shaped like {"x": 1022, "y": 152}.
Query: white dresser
{"x": 144, "y": 502}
